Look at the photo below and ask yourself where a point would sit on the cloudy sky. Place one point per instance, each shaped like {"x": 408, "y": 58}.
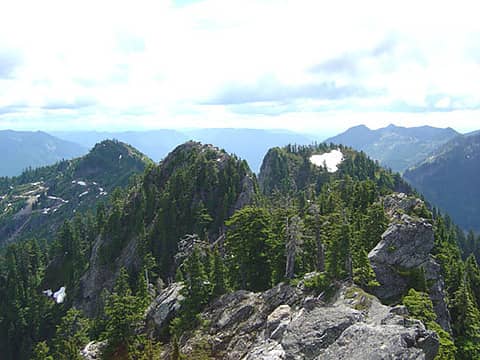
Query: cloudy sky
{"x": 303, "y": 65}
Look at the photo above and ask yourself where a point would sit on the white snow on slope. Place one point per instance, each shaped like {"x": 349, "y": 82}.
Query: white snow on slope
{"x": 331, "y": 160}
{"x": 60, "y": 295}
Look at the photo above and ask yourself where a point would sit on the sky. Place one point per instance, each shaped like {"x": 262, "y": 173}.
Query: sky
{"x": 309, "y": 66}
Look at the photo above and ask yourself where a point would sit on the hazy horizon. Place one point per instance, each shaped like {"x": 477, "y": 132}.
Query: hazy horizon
{"x": 313, "y": 132}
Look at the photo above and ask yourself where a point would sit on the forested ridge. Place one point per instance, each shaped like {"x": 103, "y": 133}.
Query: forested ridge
{"x": 201, "y": 219}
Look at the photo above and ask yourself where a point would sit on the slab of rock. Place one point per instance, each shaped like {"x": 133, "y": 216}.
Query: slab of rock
{"x": 250, "y": 326}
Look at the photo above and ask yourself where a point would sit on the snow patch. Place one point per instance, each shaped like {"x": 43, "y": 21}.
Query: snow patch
{"x": 79, "y": 182}
{"x": 330, "y": 160}
{"x": 60, "y": 295}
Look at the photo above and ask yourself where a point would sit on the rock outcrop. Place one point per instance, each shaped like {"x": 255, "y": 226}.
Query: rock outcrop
{"x": 93, "y": 350}
{"x": 402, "y": 258}
{"x": 286, "y": 324}
{"x": 163, "y": 309}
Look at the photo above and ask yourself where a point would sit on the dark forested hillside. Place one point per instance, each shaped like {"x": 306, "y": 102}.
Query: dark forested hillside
{"x": 192, "y": 261}
{"x": 38, "y": 201}
{"x": 448, "y": 179}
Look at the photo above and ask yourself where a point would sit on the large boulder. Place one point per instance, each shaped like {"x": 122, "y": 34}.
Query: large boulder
{"x": 403, "y": 256}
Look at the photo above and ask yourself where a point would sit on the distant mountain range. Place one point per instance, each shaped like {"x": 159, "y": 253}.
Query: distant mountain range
{"x": 449, "y": 179}
{"x": 395, "y": 147}
{"x": 23, "y": 149}
{"x": 249, "y": 144}
{"x": 38, "y": 201}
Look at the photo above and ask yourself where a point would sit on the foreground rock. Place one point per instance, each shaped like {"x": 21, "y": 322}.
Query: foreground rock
{"x": 284, "y": 323}
{"x": 402, "y": 258}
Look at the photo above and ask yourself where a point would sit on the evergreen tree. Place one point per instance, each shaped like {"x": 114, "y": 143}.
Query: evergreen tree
{"x": 473, "y": 276}
{"x": 196, "y": 292}
{"x": 124, "y": 314}
{"x": 71, "y": 336}
{"x": 247, "y": 246}
{"x": 363, "y": 273}
{"x": 218, "y": 275}
{"x": 41, "y": 352}
{"x": 466, "y": 325}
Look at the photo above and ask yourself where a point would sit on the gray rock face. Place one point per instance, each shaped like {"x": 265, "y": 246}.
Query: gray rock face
{"x": 370, "y": 342}
{"x": 99, "y": 276}
{"x": 280, "y": 325}
{"x": 247, "y": 193}
{"x": 405, "y": 249}
{"x": 164, "y": 308}
{"x": 406, "y": 243}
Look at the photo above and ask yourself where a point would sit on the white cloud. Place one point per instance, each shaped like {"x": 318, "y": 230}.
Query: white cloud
{"x": 153, "y": 64}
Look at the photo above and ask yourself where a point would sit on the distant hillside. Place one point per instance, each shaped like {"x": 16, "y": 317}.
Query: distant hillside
{"x": 395, "y": 147}
{"x": 449, "y": 180}
{"x": 23, "y": 149}
{"x": 40, "y": 200}
{"x": 249, "y": 144}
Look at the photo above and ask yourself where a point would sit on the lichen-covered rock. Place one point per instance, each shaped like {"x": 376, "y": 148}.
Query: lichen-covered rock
{"x": 250, "y": 326}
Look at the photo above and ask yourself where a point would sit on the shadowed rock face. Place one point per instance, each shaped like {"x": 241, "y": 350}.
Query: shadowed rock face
{"x": 404, "y": 251}
{"x": 285, "y": 323}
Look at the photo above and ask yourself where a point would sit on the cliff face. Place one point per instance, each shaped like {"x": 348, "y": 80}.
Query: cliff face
{"x": 402, "y": 258}
{"x": 289, "y": 323}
